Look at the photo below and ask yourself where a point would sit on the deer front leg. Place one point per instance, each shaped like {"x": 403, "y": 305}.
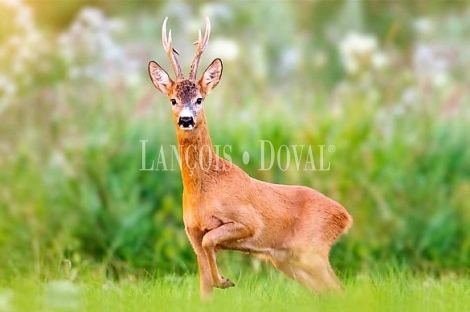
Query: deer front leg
{"x": 205, "y": 279}
{"x": 224, "y": 234}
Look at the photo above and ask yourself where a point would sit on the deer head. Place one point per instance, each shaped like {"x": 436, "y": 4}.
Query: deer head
{"x": 186, "y": 95}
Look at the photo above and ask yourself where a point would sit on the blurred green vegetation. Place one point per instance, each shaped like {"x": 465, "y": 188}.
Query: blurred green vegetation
{"x": 72, "y": 196}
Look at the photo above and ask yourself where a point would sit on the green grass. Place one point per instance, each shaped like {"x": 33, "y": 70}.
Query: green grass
{"x": 392, "y": 291}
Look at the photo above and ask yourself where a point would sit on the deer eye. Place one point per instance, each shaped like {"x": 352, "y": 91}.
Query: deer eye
{"x": 199, "y": 101}
{"x": 173, "y": 102}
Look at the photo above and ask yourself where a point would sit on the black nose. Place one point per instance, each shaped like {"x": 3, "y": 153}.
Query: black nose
{"x": 186, "y": 122}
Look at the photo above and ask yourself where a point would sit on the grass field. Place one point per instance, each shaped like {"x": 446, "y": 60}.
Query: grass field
{"x": 392, "y": 291}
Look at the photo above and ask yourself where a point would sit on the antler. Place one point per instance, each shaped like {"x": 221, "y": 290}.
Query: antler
{"x": 168, "y": 46}
{"x": 201, "y": 45}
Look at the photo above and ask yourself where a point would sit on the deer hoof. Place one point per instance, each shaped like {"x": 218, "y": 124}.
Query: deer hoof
{"x": 225, "y": 283}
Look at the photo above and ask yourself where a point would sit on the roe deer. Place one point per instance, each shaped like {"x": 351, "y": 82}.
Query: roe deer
{"x": 223, "y": 208}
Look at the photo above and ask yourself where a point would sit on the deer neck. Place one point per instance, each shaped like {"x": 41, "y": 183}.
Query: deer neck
{"x": 196, "y": 154}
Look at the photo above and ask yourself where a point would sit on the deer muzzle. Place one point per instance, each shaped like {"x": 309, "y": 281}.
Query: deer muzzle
{"x": 186, "y": 120}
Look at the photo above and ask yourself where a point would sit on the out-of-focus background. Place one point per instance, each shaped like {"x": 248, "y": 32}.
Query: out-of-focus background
{"x": 385, "y": 82}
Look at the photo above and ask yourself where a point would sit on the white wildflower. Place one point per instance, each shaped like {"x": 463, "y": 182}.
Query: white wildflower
{"x": 12, "y": 3}
{"x": 224, "y": 48}
{"x": 359, "y": 52}
{"x": 290, "y": 58}
{"x": 22, "y": 48}
{"x": 59, "y": 161}
{"x": 358, "y": 44}
{"x": 216, "y": 10}
{"x": 441, "y": 79}
{"x": 7, "y": 86}
{"x": 410, "y": 96}
{"x": 91, "y": 51}
{"x": 24, "y": 18}
{"x": 433, "y": 62}
{"x": 424, "y": 26}
{"x": 91, "y": 17}
{"x": 379, "y": 60}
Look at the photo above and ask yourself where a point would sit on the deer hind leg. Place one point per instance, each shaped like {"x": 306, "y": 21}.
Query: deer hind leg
{"x": 317, "y": 266}
{"x": 310, "y": 269}
{"x": 223, "y": 235}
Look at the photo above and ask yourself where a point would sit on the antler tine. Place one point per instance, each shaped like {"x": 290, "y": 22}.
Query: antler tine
{"x": 207, "y": 32}
{"x": 170, "y": 51}
{"x": 201, "y": 45}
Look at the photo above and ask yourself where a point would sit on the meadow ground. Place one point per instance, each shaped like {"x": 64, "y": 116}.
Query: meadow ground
{"x": 392, "y": 291}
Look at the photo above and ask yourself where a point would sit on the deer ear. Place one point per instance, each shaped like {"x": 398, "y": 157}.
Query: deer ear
{"x": 211, "y": 76}
{"x": 160, "y": 78}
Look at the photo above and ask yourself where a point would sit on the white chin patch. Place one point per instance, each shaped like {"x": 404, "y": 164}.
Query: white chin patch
{"x": 189, "y": 128}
